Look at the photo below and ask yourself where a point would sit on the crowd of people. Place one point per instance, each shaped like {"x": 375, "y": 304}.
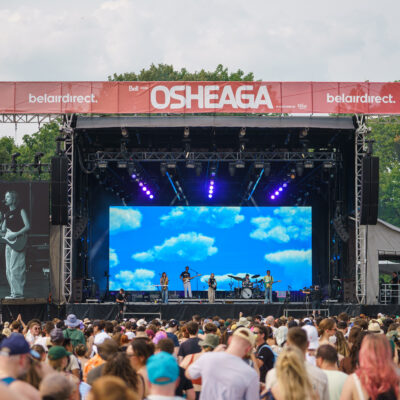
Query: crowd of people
{"x": 253, "y": 357}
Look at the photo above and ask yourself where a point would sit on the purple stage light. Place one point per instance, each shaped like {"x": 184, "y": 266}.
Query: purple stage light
{"x": 272, "y": 197}
{"x": 284, "y": 185}
{"x": 140, "y": 183}
{"x": 280, "y": 189}
{"x": 133, "y": 176}
{"x": 148, "y": 192}
{"x": 211, "y": 182}
{"x": 210, "y": 196}
{"x": 151, "y": 196}
{"x": 144, "y": 188}
{"x": 276, "y": 193}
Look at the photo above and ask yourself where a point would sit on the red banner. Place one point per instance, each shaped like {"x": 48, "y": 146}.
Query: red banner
{"x": 199, "y": 97}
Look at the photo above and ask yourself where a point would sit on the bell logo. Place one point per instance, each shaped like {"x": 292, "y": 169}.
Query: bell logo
{"x": 210, "y": 97}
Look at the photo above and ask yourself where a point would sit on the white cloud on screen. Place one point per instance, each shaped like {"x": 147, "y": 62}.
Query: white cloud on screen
{"x": 139, "y": 279}
{"x": 287, "y": 257}
{"x": 219, "y": 217}
{"x": 288, "y": 223}
{"x": 191, "y": 246}
{"x": 124, "y": 219}
{"x": 113, "y": 258}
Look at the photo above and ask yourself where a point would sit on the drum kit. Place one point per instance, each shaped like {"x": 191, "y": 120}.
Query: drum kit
{"x": 246, "y": 289}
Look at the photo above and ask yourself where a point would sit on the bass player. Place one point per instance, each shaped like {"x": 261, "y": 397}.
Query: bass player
{"x": 212, "y": 287}
{"x": 268, "y": 282}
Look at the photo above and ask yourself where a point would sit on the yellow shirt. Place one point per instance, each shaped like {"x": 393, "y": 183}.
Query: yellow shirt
{"x": 268, "y": 281}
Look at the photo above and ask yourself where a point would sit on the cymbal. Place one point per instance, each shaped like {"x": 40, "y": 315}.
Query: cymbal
{"x": 255, "y": 276}
{"x": 238, "y": 278}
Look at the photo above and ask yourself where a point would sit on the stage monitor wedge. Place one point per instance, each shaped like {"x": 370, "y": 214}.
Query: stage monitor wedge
{"x": 59, "y": 190}
{"x": 369, "y": 191}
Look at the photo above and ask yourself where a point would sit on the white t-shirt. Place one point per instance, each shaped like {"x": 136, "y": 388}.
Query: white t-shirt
{"x": 225, "y": 377}
{"x": 336, "y": 381}
{"x": 318, "y": 379}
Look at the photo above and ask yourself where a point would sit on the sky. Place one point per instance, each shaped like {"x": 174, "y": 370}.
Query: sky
{"x": 146, "y": 241}
{"x": 288, "y": 40}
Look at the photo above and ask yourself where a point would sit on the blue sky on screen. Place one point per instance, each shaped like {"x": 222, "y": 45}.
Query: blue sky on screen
{"x": 146, "y": 241}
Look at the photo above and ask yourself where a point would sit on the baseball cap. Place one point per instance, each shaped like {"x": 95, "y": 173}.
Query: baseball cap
{"x": 15, "y": 345}
{"x": 312, "y": 336}
{"x": 245, "y": 334}
{"x": 162, "y": 368}
{"x": 172, "y": 323}
{"x": 57, "y": 352}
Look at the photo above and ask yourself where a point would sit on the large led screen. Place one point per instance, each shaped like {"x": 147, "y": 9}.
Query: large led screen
{"x": 146, "y": 241}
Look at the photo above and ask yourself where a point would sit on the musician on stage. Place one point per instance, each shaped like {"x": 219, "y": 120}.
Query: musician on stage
{"x": 246, "y": 282}
{"x": 268, "y": 281}
{"x": 187, "y": 287}
{"x": 16, "y": 223}
{"x": 212, "y": 287}
{"x": 121, "y": 300}
{"x": 164, "y": 287}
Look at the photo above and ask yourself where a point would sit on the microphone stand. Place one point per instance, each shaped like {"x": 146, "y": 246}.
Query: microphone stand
{"x": 197, "y": 282}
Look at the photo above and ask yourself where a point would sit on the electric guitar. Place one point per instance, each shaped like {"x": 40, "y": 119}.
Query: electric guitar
{"x": 17, "y": 244}
{"x": 269, "y": 285}
{"x": 189, "y": 279}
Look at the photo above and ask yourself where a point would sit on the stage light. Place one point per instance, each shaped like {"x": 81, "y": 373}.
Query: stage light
{"x": 122, "y": 164}
{"x": 190, "y": 164}
{"x": 133, "y": 176}
{"x": 102, "y": 164}
{"x": 186, "y": 132}
{"x": 171, "y": 165}
{"x": 240, "y": 164}
{"x": 267, "y": 169}
{"x": 292, "y": 174}
{"x": 258, "y": 165}
{"x": 242, "y": 132}
{"x": 277, "y": 193}
{"x": 299, "y": 168}
{"x": 144, "y": 188}
{"x": 140, "y": 184}
{"x": 308, "y": 164}
{"x": 280, "y": 189}
{"x": 272, "y": 197}
{"x": 328, "y": 164}
{"x": 303, "y": 133}
{"x": 151, "y": 196}
{"x": 148, "y": 192}
{"x": 210, "y": 196}
{"x": 284, "y": 185}
{"x": 124, "y": 132}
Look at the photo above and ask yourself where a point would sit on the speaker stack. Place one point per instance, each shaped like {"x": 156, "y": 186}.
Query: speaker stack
{"x": 59, "y": 190}
{"x": 369, "y": 190}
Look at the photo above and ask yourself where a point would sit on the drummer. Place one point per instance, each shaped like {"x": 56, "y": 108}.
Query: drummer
{"x": 246, "y": 282}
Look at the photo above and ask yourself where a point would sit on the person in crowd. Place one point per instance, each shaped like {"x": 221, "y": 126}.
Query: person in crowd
{"x": 185, "y": 386}
{"x": 327, "y": 360}
{"x": 313, "y": 343}
{"x": 139, "y": 351}
{"x": 209, "y": 343}
{"x": 118, "y": 365}
{"x": 191, "y": 345}
{"x": 327, "y": 331}
{"x": 292, "y": 380}
{"x": 57, "y": 386}
{"x": 376, "y": 376}
{"x": 94, "y": 367}
{"x": 41, "y": 351}
{"x": 73, "y": 365}
{"x": 76, "y": 335}
{"x": 224, "y": 374}
{"x": 341, "y": 345}
{"x": 343, "y": 327}
{"x": 80, "y": 353}
{"x": 111, "y": 388}
{"x": 58, "y": 358}
{"x": 264, "y": 355}
{"x": 163, "y": 374}
{"x": 297, "y": 337}
{"x": 100, "y": 335}
{"x": 33, "y": 332}
{"x": 171, "y": 330}
{"x": 349, "y": 364}
{"x": 14, "y": 363}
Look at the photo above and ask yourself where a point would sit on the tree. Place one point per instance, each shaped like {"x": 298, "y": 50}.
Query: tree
{"x": 164, "y": 72}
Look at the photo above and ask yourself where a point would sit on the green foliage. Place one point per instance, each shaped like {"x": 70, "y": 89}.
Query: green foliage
{"x": 386, "y": 134}
{"x": 164, "y": 72}
{"x": 41, "y": 141}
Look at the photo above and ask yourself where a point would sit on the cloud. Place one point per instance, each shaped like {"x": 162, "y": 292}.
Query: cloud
{"x": 124, "y": 219}
{"x": 190, "y": 246}
{"x": 219, "y": 217}
{"x": 113, "y": 258}
{"x": 288, "y": 223}
{"x": 139, "y": 279}
{"x": 287, "y": 257}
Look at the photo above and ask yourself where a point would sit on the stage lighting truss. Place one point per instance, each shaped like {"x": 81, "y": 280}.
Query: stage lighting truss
{"x": 171, "y": 158}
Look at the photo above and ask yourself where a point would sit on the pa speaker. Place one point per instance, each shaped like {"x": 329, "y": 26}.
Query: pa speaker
{"x": 369, "y": 191}
{"x": 59, "y": 190}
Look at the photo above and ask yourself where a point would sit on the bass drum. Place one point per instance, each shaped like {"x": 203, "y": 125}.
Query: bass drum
{"x": 247, "y": 293}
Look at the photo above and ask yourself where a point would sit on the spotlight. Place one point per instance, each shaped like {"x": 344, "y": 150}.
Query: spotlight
{"x": 122, "y": 164}
{"x": 133, "y": 176}
{"x": 212, "y": 182}
{"x": 258, "y": 165}
{"x": 299, "y": 168}
{"x": 242, "y": 132}
{"x": 272, "y": 197}
{"x": 171, "y": 165}
{"x": 210, "y": 196}
{"x": 148, "y": 192}
{"x": 140, "y": 184}
{"x": 280, "y": 189}
{"x": 124, "y": 132}
{"x": 292, "y": 174}
{"x": 151, "y": 197}
{"x": 277, "y": 193}
{"x": 308, "y": 164}
{"x": 240, "y": 164}
{"x": 190, "y": 164}
{"x": 328, "y": 164}
{"x": 102, "y": 164}
{"x": 144, "y": 188}
{"x": 186, "y": 132}
{"x": 284, "y": 185}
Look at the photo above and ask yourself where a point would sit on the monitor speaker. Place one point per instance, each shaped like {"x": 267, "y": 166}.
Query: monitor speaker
{"x": 369, "y": 191}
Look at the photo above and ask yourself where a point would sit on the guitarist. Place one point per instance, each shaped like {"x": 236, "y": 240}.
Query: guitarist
{"x": 268, "y": 281}
{"x": 164, "y": 287}
{"x": 212, "y": 287}
{"x": 16, "y": 224}
{"x": 187, "y": 287}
